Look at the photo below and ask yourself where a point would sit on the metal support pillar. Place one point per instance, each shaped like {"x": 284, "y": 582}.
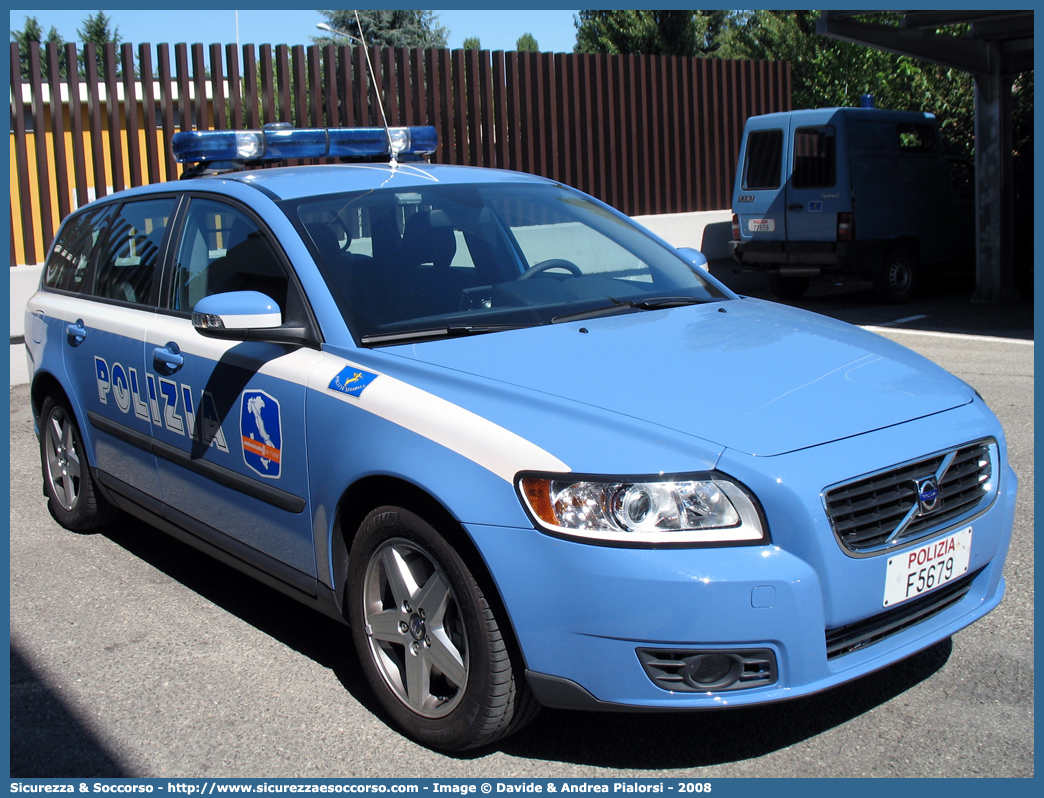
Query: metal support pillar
{"x": 994, "y": 262}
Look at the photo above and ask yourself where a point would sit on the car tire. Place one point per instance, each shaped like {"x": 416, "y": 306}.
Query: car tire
{"x": 896, "y": 280}
{"x": 429, "y": 643}
{"x": 72, "y": 497}
{"x": 788, "y": 287}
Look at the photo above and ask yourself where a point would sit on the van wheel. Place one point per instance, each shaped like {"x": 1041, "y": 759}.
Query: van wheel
{"x": 786, "y": 287}
{"x": 71, "y": 496}
{"x": 896, "y": 280}
{"x": 428, "y": 641}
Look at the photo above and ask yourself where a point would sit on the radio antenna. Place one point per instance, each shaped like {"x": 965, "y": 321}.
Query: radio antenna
{"x": 373, "y": 79}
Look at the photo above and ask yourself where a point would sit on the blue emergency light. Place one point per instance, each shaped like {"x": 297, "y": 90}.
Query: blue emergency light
{"x": 278, "y": 142}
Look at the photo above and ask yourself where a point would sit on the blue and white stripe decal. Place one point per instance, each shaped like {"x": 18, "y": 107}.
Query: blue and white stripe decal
{"x": 480, "y": 440}
{"x": 128, "y": 322}
{"x": 470, "y": 435}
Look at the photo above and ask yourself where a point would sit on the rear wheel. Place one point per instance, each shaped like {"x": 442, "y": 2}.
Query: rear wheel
{"x": 896, "y": 280}
{"x": 429, "y": 643}
{"x": 71, "y": 496}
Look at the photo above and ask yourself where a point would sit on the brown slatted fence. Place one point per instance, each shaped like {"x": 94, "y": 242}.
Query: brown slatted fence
{"x": 647, "y": 134}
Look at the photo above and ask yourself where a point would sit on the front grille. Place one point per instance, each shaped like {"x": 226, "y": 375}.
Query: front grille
{"x": 846, "y": 639}
{"x": 882, "y": 511}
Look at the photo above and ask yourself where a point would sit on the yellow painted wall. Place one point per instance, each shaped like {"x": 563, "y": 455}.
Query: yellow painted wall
{"x": 17, "y": 222}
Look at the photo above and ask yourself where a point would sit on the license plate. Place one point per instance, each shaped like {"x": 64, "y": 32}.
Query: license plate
{"x": 918, "y": 571}
{"x": 761, "y": 225}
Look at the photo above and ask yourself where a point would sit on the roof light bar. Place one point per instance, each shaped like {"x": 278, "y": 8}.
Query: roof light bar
{"x": 278, "y": 143}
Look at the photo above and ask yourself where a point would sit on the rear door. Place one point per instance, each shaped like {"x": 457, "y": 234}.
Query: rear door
{"x": 104, "y": 342}
{"x": 758, "y": 197}
{"x": 817, "y": 183}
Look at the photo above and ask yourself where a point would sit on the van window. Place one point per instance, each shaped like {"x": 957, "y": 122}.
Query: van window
{"x": 917, "y": 138}
{"x": 761, "y": 166}
{"x": 815, "y": 157}
{"x": 962, "y": 178}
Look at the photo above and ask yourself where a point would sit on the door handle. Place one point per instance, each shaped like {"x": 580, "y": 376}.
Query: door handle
{"x": 168, "y": 359}
{"x": 76, "y": 332}
{"x": 796, "y": 207}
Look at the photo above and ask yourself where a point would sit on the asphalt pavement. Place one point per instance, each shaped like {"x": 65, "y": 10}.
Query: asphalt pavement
{"x": 134, "y": 655}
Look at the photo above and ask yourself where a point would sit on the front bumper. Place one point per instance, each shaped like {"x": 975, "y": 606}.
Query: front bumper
{"x": 581, "y": 612}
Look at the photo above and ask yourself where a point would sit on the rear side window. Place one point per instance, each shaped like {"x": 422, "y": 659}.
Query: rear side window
{"x": 815, "y": 157}
{"x": 764, "y": 157}
{"x": 66, "y": 268}
{"x": 129, "y": 260}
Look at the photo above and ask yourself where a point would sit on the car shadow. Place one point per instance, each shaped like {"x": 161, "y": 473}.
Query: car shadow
{"x": 308, "y": 632}
{"x": 641, "y": 741}
{"x": 48, "y": 740}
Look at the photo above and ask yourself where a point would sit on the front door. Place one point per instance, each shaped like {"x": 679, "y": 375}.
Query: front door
{"x": 230, "y": 431}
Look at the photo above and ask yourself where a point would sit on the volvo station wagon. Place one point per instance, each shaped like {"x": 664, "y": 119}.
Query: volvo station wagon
{"x": 529, "y": 453}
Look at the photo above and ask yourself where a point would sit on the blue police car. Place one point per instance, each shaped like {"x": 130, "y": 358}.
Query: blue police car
{"x": 528, "y": 452}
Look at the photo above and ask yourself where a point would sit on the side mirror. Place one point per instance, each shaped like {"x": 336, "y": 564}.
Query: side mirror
{"x": 234, "y": 314}
{"x": 694, "y": 257}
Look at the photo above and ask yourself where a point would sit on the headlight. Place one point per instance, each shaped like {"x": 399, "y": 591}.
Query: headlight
{"x": 686, "y": 510}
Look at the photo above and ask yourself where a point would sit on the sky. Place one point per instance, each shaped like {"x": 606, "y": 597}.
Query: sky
{"x": 497, "y": 30}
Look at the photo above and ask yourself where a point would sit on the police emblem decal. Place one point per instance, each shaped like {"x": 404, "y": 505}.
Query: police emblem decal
{"x": 262, "y": 433}
{"x": 352, "y": 381}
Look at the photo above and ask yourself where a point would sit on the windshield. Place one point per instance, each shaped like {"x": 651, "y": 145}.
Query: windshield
{"x": 461, "y": 259}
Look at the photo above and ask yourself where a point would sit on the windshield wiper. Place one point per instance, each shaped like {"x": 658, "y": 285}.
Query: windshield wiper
{"x": 619, "y": 306}
{"x": 435, "y": 333}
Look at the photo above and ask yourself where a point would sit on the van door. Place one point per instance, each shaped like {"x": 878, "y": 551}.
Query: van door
{"x": 815, "y": 192}
{"x": 758, "y": 198}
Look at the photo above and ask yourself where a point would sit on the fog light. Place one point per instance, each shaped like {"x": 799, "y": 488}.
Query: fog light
{"x": 713, "y": 670}
{"x": 708, "y": 670}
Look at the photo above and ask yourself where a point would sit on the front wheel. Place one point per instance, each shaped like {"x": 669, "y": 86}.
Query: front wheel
{"x": 428, "y": 641}
{"x": 71, "y": 495}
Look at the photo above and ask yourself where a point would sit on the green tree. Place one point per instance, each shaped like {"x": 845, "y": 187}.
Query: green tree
{"x": 527, "y": 44}
{"x": 55, "y": 38}
{"x": 642, "y": 32}
{"x": 32, "y": 32}
{"x": 387, "y": 28}
{"x": 472, "y": 43}
{"x": 827, "y": 72}
{"x": 97, "y": 29}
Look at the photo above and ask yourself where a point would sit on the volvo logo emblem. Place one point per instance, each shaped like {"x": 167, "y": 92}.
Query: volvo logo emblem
{"x": 928, "y": 498}
{"x": 417, "y": 627}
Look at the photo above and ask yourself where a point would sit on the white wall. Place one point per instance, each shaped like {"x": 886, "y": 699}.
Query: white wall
{"x": 707, "y": 231}
{"x": 23, "y": 282}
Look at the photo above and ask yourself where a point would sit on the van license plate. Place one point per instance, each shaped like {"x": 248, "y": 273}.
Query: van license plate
{"x": 918, "y": 571}
{"x": 761, "y": 225}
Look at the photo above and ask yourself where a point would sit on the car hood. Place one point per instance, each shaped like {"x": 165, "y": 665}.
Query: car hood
{"x": 754, "y": 376}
